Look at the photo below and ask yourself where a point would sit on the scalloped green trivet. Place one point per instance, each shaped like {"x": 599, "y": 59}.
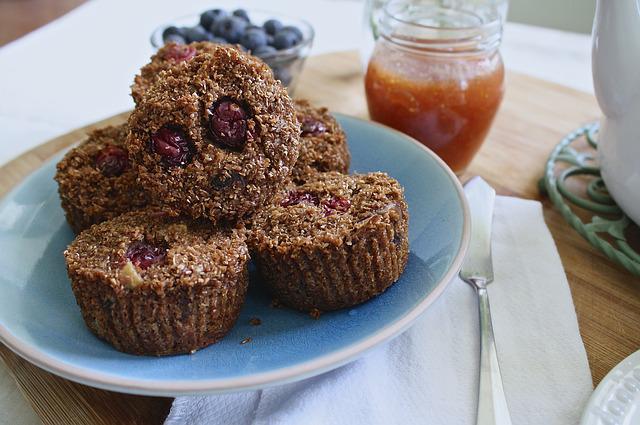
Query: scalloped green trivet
{"x": 607, "y": 221}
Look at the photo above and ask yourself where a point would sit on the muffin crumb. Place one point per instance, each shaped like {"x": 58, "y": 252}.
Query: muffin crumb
{"x": 315, "y": 313}
{"x": 276, "y": 303}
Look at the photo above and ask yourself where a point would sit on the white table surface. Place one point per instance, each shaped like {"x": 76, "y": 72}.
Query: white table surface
{"x": 77, "y": 70}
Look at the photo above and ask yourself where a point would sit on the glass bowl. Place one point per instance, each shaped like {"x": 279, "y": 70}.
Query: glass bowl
{"x": 286, "y": 64}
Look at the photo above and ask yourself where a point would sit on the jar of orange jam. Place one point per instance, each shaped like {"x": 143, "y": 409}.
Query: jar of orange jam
{"x": 436, "y": 74}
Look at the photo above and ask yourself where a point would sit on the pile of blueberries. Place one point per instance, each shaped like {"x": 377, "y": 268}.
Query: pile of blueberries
{"x": 220, "y": 26}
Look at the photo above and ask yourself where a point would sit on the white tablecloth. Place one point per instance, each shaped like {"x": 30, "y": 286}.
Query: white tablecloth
{"x": 77, "y": 70}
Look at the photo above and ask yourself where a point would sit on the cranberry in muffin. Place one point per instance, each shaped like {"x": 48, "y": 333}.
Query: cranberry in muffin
{"x": 323, "y": 144}
{"x": 214, "y": 138}
{"x": 334, "y": 242}
{"x": 96, "y": 181}
{"x": 156, "y": 285}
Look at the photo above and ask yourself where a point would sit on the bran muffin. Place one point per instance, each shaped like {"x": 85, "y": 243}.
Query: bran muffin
{"x": 323, "y": 144}
{"x": 214, "y": 138}
{"x": 96, "y": 181}
{"x": 152, "y": 284}
{"x": 333, "y": 242}
{"x": 168, "y": 56}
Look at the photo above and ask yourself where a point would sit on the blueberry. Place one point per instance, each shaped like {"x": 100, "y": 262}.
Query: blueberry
{"x": 230, "y": 28}
{"x": 228, "y": 124}
{"x": 283, "y": 75}
{"x": 173, "y": 146}
{"x": 218, "y": 40}
{"x": 174, "y": 38}
{"x": 172, "y": 31}
{"x": 296, "y": 197}
{"x": 143, "y": 254}
{"x": 111, "y": 161}
{"x": 210, "y": 16}
{"x": 242, "y": 14}
{"x": 285, "y": 39}
{"x": 254, "y": 38}
{"x": 197, "y": 33}
{"x": 294, "y": 30}
{"x": 272, "y": 26}
{"x": 312, "y": 127}
{"x": 264, "y": 51}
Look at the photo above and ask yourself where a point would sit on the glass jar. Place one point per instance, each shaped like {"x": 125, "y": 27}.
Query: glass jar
{"x": 436, "y": 74}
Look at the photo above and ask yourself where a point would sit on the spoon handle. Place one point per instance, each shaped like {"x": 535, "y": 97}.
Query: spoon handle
{"x": 492, "y": 404}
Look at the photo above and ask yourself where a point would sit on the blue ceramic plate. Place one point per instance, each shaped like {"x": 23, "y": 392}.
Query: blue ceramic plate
{"x": 40, "y": 321}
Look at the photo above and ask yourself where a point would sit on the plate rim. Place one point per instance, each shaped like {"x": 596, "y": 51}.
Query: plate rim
{"x": 261, "y": 380}
{"x": 590, "y": 418}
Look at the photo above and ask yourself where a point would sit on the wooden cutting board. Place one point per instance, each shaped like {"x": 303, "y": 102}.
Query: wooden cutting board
{"x": 533, "y": 118}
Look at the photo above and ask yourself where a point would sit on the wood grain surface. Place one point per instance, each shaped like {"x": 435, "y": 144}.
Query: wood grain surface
{"x": 533, "y": 118}
{"x": 19, "y": 17}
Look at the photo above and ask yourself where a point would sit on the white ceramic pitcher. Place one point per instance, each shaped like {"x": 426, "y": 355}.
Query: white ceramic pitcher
{"x": 616, "y": 77}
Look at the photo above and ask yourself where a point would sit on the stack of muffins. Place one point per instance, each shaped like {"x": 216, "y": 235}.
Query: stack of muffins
{"x": 217, "y": 165}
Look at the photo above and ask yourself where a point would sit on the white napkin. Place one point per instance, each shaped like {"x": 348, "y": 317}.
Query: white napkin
{"x": 429, "y": 374}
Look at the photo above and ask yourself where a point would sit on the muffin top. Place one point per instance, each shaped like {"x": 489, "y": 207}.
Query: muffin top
{"x": 215, "y": 137}
{"x": 329, "y": 209}
{"x": 96, "y": 178}
{"x": 147, "y": 247}
{"x": 168, "y": 56}
{"x": 323, "y": 144}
